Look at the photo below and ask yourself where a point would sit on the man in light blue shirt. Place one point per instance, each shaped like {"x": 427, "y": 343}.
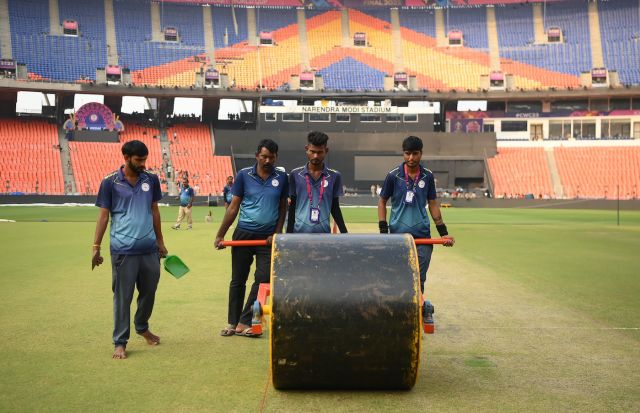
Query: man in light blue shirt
{"x": 411, "y": 188}
{"x": 314, "y": 191}
{"x": 260, "y": 196}
{"x": 186, "y": 202}
{"x": 227, "y": 191}
{"x": 130, "y": 195}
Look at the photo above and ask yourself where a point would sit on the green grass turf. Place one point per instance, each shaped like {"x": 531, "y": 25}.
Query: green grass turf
{"x": 569, "y": 264}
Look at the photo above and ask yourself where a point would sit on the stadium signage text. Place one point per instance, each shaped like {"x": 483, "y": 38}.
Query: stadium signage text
{"x": 348, "y": 109}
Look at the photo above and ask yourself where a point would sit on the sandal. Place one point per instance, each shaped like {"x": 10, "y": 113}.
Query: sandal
{"x": 247, "y": 332}
{"x": 228, "y": 331}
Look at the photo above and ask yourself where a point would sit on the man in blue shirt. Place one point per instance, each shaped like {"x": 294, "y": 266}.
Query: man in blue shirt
{"x": 260, "y": 195}
{"x": 227, "y": 193}
{"x": 411, "y": 188}
{"x": 186, "y": 202}
{"x": 314, "y": 191}
{"x": 130, "y": 195}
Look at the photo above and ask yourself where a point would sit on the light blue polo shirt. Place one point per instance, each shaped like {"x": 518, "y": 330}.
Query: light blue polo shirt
{"x": 130, "y": 208}
{"x": 186, "y": 196}
{"x": 332, "y": 183}
{"x": 260, "y": 199}
{"x": 409, "y": 218}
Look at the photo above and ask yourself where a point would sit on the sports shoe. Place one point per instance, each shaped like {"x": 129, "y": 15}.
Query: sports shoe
{"x": 175, "y": 227}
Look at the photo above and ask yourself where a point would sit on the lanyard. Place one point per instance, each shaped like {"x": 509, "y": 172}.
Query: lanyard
{"x": 406, "y": 179}
{"x": 311, "y": 195}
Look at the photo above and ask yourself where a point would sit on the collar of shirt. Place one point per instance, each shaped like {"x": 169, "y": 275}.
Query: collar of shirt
{"x": 305, "y": 170}
{"x": 254, "y": 173}
{"x": 423, "y": 171}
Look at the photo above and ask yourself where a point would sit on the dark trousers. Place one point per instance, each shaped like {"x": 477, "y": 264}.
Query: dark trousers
{"x": 424, "y": 258}
{"x": 241, "y": 260}
{"x": 129, "y": 272}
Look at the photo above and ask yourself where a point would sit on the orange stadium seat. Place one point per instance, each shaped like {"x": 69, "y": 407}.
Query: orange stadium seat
{"x": 519, "y": 171}
{"x": 30, "y": 161}
{"x": 192, "y": 151}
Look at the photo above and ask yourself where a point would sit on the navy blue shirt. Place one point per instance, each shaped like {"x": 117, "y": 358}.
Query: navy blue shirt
{"x": 260, "y": 199}
{"x": 186, "y": 196}
{"x": 411, "y": 218}
{"x": 227, "y": 193}
{"x": 130, "y": 208}
{"x": 331, "y": 180}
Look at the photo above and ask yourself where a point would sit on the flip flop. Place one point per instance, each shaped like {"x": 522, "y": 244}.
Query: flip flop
{"x": 247, "y": 332}
{"x": 228, "y": 331}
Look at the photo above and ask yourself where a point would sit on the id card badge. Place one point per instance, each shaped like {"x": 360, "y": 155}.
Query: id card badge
{"x": 315, "y": 215}
{"x": 408, "y": 197}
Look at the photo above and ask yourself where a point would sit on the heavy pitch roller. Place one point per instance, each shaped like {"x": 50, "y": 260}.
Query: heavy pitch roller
{"x": 345, "y": 311}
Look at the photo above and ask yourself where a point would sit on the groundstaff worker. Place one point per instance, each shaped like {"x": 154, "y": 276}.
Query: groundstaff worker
{"x": 411, "y": 188}
{"x": 130, "y": 195}
{"x": 314, "y": 191}
{"x": 186, "y": 202}
{"x": 260, "y": 195}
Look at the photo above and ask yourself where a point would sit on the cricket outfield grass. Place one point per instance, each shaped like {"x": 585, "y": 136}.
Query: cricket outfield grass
{"x": 536, "y": 310}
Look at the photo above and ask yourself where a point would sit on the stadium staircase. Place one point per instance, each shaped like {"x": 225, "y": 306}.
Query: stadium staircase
{"x": 344, "y": 27}
{"x": 110, "y": 27}
{"x": 396, "y": 36}
{"x": 5, "y": 34}
{"x": 492, "y": 37}
{"x": 156, "y": 24}
{"x": 553, "y": 171}
{"x": 597, "y": 59}
{"x": 209, "y": 42}
{"x": 65, "y": 159}
{"x": 538, "y": 24}
{"x": 251, "y": 27}
{"x": 55, "y": 28}
{"x": 441, "y": 34}
{"x": 165, "y": 148}
{"x": 304, "y": 42}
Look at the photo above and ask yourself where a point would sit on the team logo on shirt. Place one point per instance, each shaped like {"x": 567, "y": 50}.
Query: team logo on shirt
{"x": 145, "y": 187}
{"x": 275, "y": 182}
{"x": 421, "y": 184}
{"x": 326, "y": 183}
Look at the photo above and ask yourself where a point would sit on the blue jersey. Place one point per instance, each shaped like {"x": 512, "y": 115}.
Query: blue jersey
{"x": 331, "y": 183}
{"x": 408, "y": 213}
{"x": 227, "y": 193}
{"x": 186, "y": 196}
{"x": 130, "y": 208}
{"x": 260, "y": 204}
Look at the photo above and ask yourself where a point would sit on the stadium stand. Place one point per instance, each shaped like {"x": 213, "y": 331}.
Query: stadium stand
{"x": 620, "y": 27}
{"x": 519, "y": 171}
{"x": 192, "y": 151}
{"x": 29, "y": 157}
{"x": 92, "y": 161}
{"x": 339, "y": 76}
{"x": 598, "y": 172}
{"x": 175, "y": 63}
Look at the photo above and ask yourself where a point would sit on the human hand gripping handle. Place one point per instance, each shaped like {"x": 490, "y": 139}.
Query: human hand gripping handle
{"x": 162, "y": 250}
{"x": 219, "y": 243}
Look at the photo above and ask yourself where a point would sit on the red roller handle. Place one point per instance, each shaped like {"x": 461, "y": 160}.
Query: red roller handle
{"x": 262, "y": 243}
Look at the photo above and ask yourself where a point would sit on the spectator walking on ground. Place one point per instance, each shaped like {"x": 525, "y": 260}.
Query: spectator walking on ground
{"x": 130, "y": 196}
{"x": 186, "y": 202}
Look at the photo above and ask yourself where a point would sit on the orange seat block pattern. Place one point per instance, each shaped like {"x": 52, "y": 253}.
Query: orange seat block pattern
{"x": 192, "y": 151}
{"x": 29, "y": 161}
{"x": 602, "y": 172}
{"x": 92, "y": 161}
{"x": 519, "y": 171}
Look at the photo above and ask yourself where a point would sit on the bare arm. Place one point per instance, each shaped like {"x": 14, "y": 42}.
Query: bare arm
{"x": 230, "y": 215}
{"x": 434, "y": 210}
{"x": 157, "y": 228}
{"x": 282, "y": 212}
{"x": 336, "y": 212}
{"x": 101, "y": 227}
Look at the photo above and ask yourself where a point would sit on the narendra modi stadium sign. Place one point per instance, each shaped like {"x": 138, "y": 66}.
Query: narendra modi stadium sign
{"x": 343, "y": 109}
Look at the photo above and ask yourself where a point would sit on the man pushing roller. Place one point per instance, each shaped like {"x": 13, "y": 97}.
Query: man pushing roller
{"x": 412, "y": 188}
